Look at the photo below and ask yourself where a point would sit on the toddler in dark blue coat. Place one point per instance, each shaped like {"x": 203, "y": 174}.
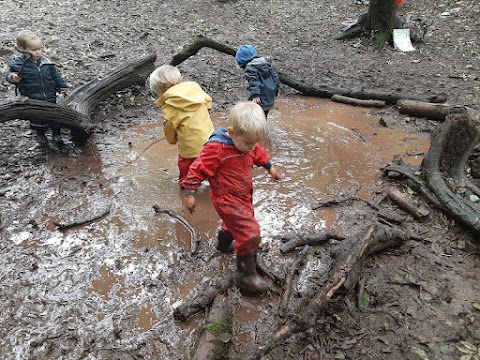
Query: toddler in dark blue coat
{"x": 36, "y": 77}
{"x": 263, "y": 82}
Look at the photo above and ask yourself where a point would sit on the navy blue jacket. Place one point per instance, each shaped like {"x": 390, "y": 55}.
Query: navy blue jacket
{"x": 39, "y": 80}
{"x": 263, "y": 82}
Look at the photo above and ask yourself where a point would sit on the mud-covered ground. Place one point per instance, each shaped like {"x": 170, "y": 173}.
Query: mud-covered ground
{"x": 107, "y": 290}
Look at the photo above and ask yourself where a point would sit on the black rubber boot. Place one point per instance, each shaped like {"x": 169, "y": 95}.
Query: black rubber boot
{"x": 248, "y": 278}
{"x": 57, "y": 137}
{"x": 40, "y": 130}
{"x": 225, "y": 242}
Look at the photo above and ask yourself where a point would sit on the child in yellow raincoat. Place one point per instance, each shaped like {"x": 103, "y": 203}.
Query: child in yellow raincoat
{"x": 185, "y": 109}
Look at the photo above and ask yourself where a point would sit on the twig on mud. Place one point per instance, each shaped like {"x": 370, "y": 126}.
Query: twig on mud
{"x": 193, "y": 234}
{"x": 289, "y": 284}
{"x": 308, "y": 239}
{"x": 62, "y": 227}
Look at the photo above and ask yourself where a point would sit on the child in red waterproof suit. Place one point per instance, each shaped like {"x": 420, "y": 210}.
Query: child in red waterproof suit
{"x": 227, "y": 161}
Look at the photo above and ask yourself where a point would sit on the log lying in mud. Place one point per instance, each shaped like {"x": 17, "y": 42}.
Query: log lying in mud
{"x": 423, "y": 109}
{"x": 405, "y": 203}
{"x": 215, "y": 341}
{"x": 350, "y": 256}
{"x": 358, "y": 102}
{"x": 300, "y": 85}
{"x": 74, "y": 111}
{"x": 86, "y": 98}
{"x": 42, "y": 112}
{"x": 205, "y": 293}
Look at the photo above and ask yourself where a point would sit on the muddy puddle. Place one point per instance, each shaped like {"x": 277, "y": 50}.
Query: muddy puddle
{"x": 110, "y": 287}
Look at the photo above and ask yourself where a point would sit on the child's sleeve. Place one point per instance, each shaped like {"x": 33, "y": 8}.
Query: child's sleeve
{"x": 261, "y": 158}
{"x": 169, "y": 130}
{"x": 59, "y": 81}
{"x": 13, "y": 67}
{"x": 204, "y": 166}
{"x": 277, "y": 80}
{"x": 254, "y": 82}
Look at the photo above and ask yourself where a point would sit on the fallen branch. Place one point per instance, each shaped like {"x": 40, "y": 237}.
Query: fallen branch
{"x": 387, "y": 215}
{"x": 358, "y": 102}
{"x": 350, "y": 255}
{"x": 404, "y": 203}
{"x": 423, "y": 109}
{"x": 308, "y": 239}
{"x": 289, "y": 284}
{"x": 323, "y": 91}
{"x": 63, "y": 226}
{"x": 195, "y": 242}
{"x": 205, "y": 293}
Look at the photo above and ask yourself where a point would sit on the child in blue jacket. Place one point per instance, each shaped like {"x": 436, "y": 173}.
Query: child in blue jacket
{"x": 263, "y": 82}
{"x": 36, "y": 77}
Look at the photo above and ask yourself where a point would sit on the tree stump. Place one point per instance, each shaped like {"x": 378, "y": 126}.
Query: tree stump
{"x": 444, "y": 166}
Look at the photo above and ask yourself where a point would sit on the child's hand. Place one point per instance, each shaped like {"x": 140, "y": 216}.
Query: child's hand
{"x": 15, "y": 77}
{"x": 256, "y": 100}
{"x": 189, "y": 203}
{"x": 273, "y": 172}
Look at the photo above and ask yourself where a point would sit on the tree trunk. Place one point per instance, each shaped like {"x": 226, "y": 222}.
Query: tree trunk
{"x": 381, "y": 20}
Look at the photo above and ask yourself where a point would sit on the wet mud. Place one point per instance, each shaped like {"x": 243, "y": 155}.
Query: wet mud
{"x": 108, "y": 288}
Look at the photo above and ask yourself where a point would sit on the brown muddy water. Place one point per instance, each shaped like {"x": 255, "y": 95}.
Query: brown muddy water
{"x": 109, "y": 288}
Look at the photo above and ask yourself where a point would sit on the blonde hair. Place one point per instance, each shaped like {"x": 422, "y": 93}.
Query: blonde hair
{"x": 164, "y": 77}
{"x": 24, "y": 36}
{"x": 248, "y": 118}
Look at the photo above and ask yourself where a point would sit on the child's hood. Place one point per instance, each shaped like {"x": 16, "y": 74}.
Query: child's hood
{"x": 220, "y": 135}
{"x": 186, "y": 96}
{"x": 260, "y": 63}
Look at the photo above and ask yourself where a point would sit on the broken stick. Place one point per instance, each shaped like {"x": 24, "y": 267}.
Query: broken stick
{"x": 193, "y": 234}
{"x": 404, "y": 203}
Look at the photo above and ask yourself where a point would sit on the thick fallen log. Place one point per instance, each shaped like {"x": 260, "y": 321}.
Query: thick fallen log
{"x": 74, "y": 111}
{"x": 42, "y": 112}
{"x": 301, "y": 85}
{"x": 215, "y": 341}
{"x": 422, "y": 109}
{"x": 350, "y": 256}
{"x": 86, "y": 98}
{"x": 205, "y": 293}
{"x": 450, "y": 148}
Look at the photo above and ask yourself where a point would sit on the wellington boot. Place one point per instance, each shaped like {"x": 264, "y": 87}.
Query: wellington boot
{"x": 57, "y": 139}
{"x": 225, "y": 242}
{"x": 41, "y": 140}
{"x": 248, "y": 278}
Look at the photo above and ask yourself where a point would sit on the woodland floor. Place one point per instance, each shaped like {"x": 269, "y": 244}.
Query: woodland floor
{"x": 424, "y": 297}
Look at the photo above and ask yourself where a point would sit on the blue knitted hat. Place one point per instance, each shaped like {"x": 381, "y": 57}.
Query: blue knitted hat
{"x": 245, "y": 53}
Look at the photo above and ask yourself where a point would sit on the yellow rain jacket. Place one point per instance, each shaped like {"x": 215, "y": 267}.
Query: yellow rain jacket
{"x": 186, "y": 118}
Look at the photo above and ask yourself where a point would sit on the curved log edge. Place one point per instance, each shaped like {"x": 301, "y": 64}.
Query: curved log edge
{"x": 442, "y": 178}
{"x": 74, "y": 111}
